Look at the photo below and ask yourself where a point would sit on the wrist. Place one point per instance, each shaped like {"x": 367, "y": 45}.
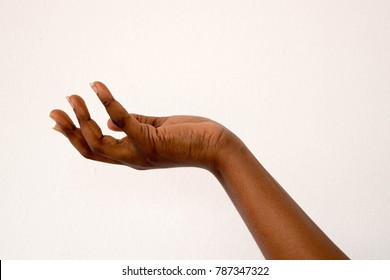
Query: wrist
{"x": 229, "y": 150}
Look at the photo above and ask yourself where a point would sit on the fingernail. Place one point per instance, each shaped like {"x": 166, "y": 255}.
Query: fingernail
{"x": 94, "y": 87}
{"x": 70, "y": 101}
{"x": 59, "y": 129}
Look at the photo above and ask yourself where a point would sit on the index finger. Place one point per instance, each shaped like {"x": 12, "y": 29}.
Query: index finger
{"x": 118, "y": 114}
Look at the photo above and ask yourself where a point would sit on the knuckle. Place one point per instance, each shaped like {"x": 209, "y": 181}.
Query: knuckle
{"x": 107, "y": 101}
{"x": 88, "y": 154}
{"x": 119, "y": 122}
{"x": 97, "y": 146}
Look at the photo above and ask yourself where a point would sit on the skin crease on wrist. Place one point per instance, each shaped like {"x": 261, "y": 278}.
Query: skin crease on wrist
{"x": 279, "y": 226}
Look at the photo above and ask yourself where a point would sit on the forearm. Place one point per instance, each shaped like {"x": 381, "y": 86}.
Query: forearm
{"x": 280, "y": 227}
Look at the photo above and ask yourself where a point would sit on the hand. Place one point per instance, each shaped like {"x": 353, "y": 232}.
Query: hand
{"x": 150, "y": 142}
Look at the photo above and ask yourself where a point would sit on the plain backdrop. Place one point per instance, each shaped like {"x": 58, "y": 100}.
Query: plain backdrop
{"x": 305, "y": 84}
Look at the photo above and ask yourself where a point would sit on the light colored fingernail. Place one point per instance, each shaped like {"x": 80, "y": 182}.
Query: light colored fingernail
{"x": 59, "y": 129}
{"x": 70, "y": 101}
{"x": 94, "y": 87}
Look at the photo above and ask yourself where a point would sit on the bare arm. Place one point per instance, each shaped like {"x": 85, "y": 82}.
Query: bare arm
{"x": 280, "y": 227}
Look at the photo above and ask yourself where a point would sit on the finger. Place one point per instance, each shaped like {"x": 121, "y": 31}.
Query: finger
{"x": 117, "y": 112}
{"x": 100, "y": 144}
{"x": 59, "y": 129}
{"x": 153, "y": 121}
{"x": 62, "y": 119}
{"x": 65, "y": 126}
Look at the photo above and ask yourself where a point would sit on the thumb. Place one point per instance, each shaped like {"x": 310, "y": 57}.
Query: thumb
{"x": 112, "y": 126}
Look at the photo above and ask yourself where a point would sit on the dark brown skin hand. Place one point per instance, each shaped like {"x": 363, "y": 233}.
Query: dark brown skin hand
{"x": 280, "y": 227}
{"x": 150, "y": 142}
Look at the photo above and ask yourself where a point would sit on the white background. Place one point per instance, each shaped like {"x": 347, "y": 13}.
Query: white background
{"x": 305, "y": 84}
